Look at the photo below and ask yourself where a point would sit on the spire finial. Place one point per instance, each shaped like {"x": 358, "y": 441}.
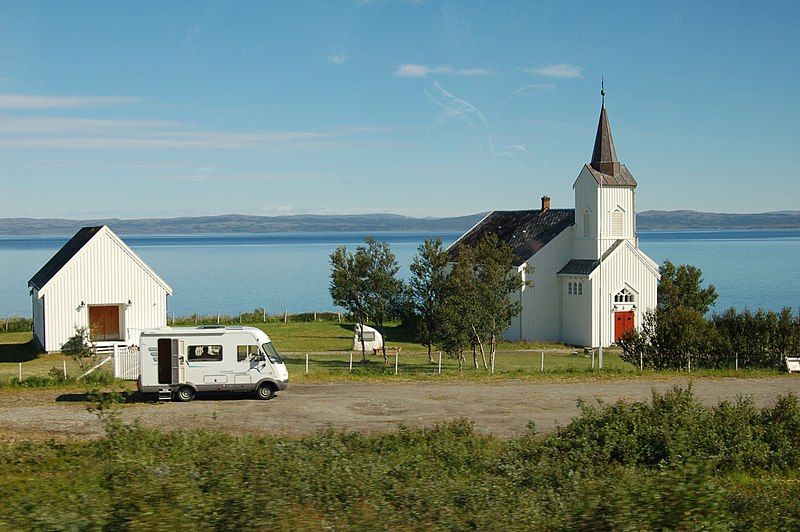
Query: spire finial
{"x": 603, "y": 90}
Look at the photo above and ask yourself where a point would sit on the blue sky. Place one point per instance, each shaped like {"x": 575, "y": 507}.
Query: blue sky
{"x": 142, "y": 109}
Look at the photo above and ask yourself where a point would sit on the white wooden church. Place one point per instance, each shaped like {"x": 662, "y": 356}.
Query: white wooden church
{"x": 590, "y": 280}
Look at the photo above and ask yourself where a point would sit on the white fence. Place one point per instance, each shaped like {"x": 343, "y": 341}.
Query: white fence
{"x": 126, "y": 362}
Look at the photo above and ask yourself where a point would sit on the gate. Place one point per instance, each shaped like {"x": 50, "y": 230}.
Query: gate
{"x": 126, "y": 362}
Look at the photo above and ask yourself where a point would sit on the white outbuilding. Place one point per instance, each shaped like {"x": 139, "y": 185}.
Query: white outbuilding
{"x": 590, "y": 281}
{"x": 96, "y": 281}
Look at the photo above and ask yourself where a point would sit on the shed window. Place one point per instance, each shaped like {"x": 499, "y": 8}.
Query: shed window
{"x": 205, "y": 353}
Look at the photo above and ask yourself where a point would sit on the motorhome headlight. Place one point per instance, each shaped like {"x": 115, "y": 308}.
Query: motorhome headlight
{"x": 271, "y": 353}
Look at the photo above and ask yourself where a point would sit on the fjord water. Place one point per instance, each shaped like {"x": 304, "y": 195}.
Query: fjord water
{"x": 290, "y": 271}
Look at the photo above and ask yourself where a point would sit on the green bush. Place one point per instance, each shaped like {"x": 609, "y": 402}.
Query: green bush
{"x": 669, "y": 463}
{"x": 16, "y": 324}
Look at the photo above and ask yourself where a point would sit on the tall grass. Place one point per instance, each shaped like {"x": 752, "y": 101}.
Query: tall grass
{"x": 665, "y": 464}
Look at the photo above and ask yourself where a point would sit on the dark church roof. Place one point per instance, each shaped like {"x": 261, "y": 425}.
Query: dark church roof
{"x": 587, "y": 266}
{"x": 525, "y": 231}
{"x": 62, "y": 257}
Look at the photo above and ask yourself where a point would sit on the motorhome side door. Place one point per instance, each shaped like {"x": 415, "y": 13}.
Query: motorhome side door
{"x": 168, "y": 363}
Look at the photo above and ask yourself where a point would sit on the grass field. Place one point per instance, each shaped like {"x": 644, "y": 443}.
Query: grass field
{"x": 327, "y": 345}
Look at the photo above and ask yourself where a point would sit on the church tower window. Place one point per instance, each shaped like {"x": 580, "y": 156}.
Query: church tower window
{"x": 616, "y": 223}
{"x": 587, "y": 223}
{"x": 580, "y": 288}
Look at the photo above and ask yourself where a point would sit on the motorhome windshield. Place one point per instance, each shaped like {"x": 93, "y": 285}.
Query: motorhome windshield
{"x": 272, "y": 354}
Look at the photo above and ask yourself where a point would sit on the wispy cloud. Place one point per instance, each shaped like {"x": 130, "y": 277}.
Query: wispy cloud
{"x": 337, "y": 59}
{"x": 533, "y": 88}
{"x": 411, "y": 70}
{"x": 50, "y": 125}
{"x": 35, "y": 133}
{"x": 51, "y": 101}
{"x": 561, "y": 70}
{"x": 454, "y": 108}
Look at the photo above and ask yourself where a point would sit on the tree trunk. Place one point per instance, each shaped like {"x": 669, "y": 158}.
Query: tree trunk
{"x": 383, "y": 343}
{"x": 492, "y": 349}
{"x": 480, "y": 345}
{"x": 474, "y": 356}
{"x": 430, "y": 354}
{"x": 363, "y": 346}
{"x": 460, "y": 360}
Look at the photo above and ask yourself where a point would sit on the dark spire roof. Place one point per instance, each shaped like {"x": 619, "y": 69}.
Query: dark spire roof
{"x": 604, "y": 155}
{"x": 604, "y": 151}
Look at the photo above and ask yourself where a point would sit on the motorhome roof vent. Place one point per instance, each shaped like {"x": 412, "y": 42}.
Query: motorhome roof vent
{"x": 211, "y": 327}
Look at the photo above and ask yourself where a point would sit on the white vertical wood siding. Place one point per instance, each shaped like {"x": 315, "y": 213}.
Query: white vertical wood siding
{"x": 541, "y": 313}
{"x": 623, "y": 268}
{"x": 587, "y": 194}
{"x": 103, "y": 272}
{"x": 576, "y": 316}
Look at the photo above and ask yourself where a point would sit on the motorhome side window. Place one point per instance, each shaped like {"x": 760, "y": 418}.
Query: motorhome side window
{"x": 205, "y": 353}
{"x": 246, "y": 352}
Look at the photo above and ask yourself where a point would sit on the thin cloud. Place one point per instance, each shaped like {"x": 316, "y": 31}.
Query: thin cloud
{"x": 77, "y": 125}
{"x": 337, "y": 59}
{"x": 561, "y": 70}
{"x": 454, "y": 108}
{"x": 411, "y": 70}
{"x": 531, "y": 89}
{"x": 50, "y": 101}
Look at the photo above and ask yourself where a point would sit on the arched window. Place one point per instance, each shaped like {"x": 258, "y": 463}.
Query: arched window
{"x": 623, "y": 296}
{"x": 587, "y": 223}
{"x": 569, "y": 289}
{"x": 616, "y": 223}
{"x": 580, "y": 288}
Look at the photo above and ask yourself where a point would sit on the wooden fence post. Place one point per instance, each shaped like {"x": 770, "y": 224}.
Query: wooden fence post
{"x": 306, "y": 363}
{"x": 440, "y": 362}
{"x": 264, "y": 315}
{"x": 285, "y": 316}
{"x": 20, "y": 372}
{"x": 542, "y": 361}
{"x": 592, "y": 358}
{"x": 737, "y": 361}
{"x": 396, "y": 357}
{"x": 641, "y": 361}
{"x": 64, "y": 367}
{"x": 217, "y": 318}
{"x": 351, "y": 362}
{"x": 315, "y": 315}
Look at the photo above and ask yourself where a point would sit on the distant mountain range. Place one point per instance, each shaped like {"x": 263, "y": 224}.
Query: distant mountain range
{"x": 239, "y": 223}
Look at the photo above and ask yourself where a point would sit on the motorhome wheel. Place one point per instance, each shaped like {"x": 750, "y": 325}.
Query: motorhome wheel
{"x": 185, "y": 394}
{"x": 266, "y": 391}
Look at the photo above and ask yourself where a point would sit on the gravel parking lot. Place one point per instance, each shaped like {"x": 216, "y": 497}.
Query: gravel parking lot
{"x": 502, "y": 408}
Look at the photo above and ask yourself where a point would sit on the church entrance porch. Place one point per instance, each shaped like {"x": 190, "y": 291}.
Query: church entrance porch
{"x": 623, "y": 322}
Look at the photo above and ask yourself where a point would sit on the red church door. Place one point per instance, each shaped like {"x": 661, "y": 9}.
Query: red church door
{"x": 623, "y": 322}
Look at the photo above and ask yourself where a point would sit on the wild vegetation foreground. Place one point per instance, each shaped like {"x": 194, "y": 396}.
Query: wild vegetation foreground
{"x": 669, "y": 463}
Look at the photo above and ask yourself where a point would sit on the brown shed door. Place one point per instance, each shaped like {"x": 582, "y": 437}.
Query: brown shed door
{"x": 104, "y": 322}
{"x": 623, "y": 322}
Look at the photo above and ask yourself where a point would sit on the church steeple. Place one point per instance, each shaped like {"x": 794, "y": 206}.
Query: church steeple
{"x": 604, "y": 156}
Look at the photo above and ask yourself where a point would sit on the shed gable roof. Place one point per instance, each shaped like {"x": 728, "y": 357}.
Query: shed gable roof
{"x": 63, "y": 256}
{"x": 74, "y": 245}
{"x": 525, "y": 231}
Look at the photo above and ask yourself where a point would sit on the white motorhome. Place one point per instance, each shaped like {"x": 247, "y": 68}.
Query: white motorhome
{"x": 181, "y": 361}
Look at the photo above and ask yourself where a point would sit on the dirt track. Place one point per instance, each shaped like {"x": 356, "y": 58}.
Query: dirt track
{"x": 503, "y": 409}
